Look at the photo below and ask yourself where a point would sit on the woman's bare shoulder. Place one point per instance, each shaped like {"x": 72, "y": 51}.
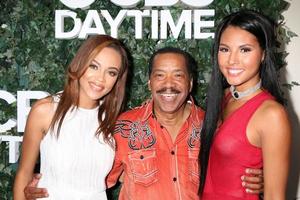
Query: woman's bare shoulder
{"x": 43, "y": 109}
{"x": 272, "y": 110}
{"x": 272, "y": 118}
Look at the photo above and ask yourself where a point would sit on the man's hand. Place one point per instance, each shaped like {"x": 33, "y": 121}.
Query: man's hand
{"x": 253, "y": 181}
{"x": 32, "y": 192}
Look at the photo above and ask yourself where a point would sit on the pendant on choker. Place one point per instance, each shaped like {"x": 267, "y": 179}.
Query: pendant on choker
{"x": 238, "y": 95}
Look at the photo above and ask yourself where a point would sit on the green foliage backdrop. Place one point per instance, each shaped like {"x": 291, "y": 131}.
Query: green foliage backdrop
{"x": 32, "y": 59}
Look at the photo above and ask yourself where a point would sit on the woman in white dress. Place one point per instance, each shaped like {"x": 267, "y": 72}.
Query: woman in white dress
{"x": 72, "y": 129}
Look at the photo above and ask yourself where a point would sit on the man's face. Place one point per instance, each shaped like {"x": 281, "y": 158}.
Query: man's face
{"x": 170, "y": 83}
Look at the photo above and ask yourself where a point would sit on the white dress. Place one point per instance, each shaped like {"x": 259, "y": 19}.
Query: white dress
{"x": 74, "y": 165}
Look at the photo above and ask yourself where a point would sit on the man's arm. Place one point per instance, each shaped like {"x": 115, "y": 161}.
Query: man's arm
{"x": 253, "y": 181}
{"x": 32, "y": 192}
{"x": 117, "y": 168}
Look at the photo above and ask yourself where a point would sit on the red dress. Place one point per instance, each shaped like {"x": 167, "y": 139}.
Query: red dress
{"x": 231, "y": 153}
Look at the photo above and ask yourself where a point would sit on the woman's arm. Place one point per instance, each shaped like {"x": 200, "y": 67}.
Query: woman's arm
{"x": 37, "y": 123}
{"x": 275, "y": 135}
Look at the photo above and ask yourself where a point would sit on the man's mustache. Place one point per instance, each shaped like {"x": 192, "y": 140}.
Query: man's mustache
{"x": 169, "y": 89}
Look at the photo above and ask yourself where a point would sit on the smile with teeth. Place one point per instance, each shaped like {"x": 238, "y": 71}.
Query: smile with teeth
{"x": 168, "y": 95}
{"x": 235, "y": 71}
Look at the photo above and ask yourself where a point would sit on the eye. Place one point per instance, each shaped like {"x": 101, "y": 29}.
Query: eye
{"x": 245, "y": 49}
{"x": 159, "y": 75}
{"x": 93, "y": 66}
{"x": 113, "y": 73}
{"x": 178, "y": 75}
{"x": 223, "y": 49}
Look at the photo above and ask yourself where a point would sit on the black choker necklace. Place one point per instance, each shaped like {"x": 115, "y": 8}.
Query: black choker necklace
{"x": 238, "y": 95}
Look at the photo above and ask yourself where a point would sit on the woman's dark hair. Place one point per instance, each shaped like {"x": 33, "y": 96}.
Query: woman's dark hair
{"x": 264, "y": 31}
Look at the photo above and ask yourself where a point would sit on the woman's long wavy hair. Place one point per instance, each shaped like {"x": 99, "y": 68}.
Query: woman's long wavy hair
{"x": 264, "y": 31}
{"x": 113, "y": 102}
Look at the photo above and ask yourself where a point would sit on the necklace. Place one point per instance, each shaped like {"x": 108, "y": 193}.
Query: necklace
{"x": 238, "y": 95}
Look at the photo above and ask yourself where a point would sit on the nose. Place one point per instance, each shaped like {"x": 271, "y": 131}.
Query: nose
{"x": 169, "y": 81}
{"x": 233, "y": 58}
{"x": 100, "y": 76}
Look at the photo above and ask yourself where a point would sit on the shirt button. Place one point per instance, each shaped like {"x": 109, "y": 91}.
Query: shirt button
{"x": 174, "y": 179}
{"x": 172, "y": 152}
{"x": 141, "y": 157}
{"x": 161, "y": 126}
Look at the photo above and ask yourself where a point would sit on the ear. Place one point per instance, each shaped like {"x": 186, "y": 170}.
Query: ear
{"x": 263, "y": 56}
{"x": 149, "y": 85}
{"x": 191, "y": 85}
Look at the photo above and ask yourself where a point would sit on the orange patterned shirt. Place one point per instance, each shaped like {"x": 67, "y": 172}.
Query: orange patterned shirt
{"x": 155, "y": 167}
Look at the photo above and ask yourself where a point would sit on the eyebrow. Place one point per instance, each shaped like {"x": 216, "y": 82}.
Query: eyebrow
{"x": 241, "y": 46}
{"x": 161, "y": 70}
{"x": 96, "y": 62}
{"x": 247, "y": 45}
{"x": 222, "y": 44}
{"x": 112, "y": 67}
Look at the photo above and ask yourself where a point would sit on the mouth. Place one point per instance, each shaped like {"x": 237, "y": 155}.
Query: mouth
{"x": 234, "y": 72}
{"x": 168, "y": 97}
{"x": 168, "y": 94}
{"x": 96, "y": 87}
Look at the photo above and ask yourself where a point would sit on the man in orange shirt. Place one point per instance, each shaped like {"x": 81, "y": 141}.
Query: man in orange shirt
{"x": 157, "y": 144}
